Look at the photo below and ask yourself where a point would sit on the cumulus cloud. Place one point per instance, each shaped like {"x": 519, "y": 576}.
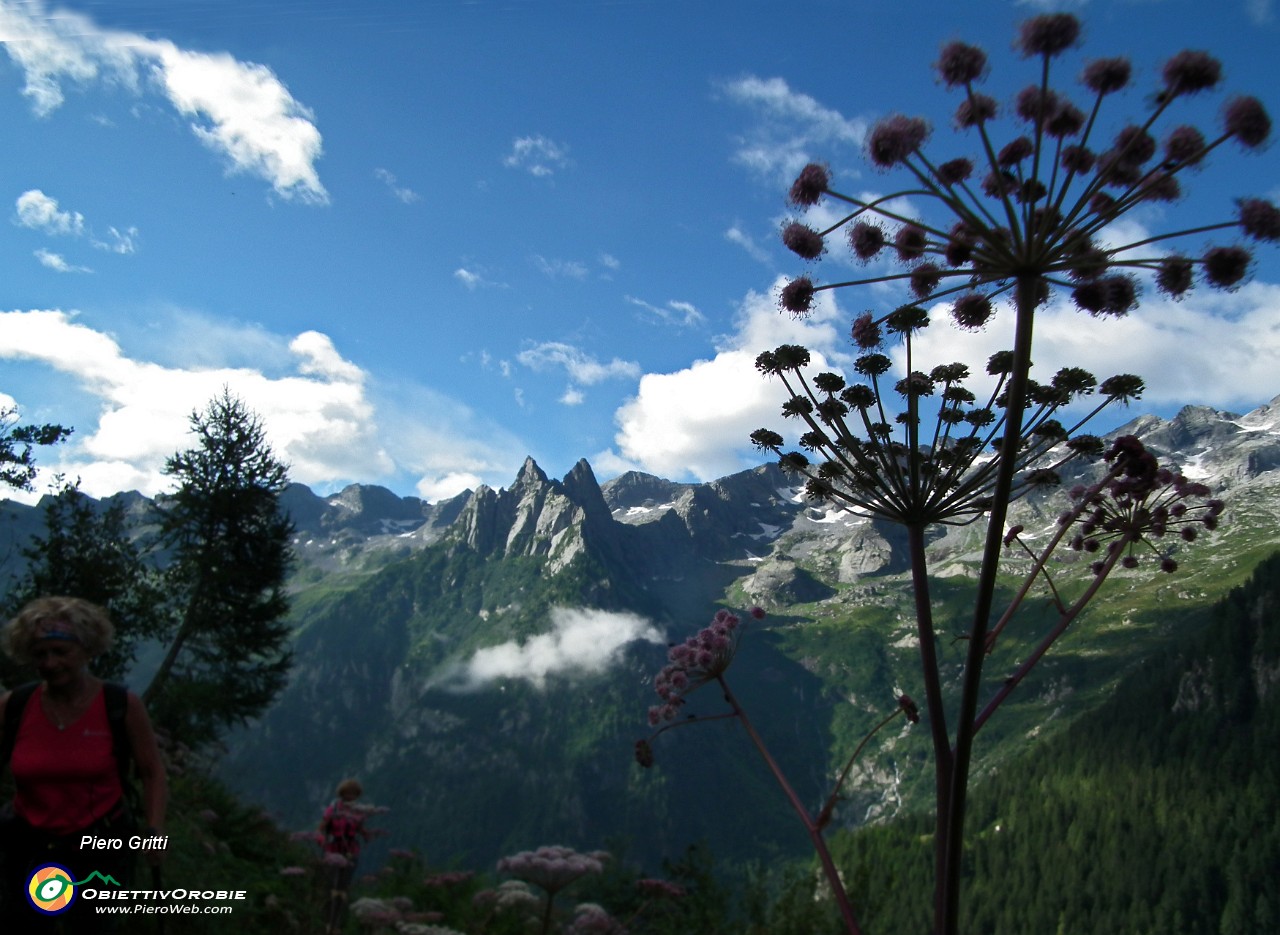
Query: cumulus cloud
{"x": 324, "y": 415}
{"x": 791, "y": 127}
{"x": 318, "y": 416}
{"x": 240, "y": 110}
{"x": 1212, "y": 348}
{"x": 695, "y": 422}
{"x": 537, "y": 155}
{"x": 580, "y": 642}
{"x": 41, "y": 212}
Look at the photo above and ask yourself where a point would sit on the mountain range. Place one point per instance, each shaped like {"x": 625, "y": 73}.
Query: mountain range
{"x": 484, "y": 664}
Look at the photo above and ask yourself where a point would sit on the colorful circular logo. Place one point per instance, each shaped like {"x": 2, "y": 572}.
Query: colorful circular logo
{"x": 50, "y": 890}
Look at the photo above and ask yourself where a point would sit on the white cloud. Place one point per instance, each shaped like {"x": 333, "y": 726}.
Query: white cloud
{"x": 573, "y": 397}
{"x": 1260, "y": 11}
{"x": 744, "y": 240}
{"x": 610, "y": 262}
{"x": 537, "y": 155}
{"x": 1213, "y": 348}
{"x": 580, "y": 642}
{"x": 39, "y": 211}
{"x": 695, "y": 422}
{"x": 581, "y": 367}
{"x": 401, "y": 193}
{"x": 239, "y": 109}
{"x": 122, "y": 242}
{"x": 557, "y": 269}
{"x": 318, "y": 417}
{"x": 674, "y": 312}
{"x": 58, "y": 263}
{"x": 792, "y": 125}
{"x": 467, "y": 277}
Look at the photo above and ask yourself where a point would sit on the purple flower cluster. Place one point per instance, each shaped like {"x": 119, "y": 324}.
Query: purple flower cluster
{"x": 699, "y": 659}
{"x": 552, "y": 867}
{"x": 1140, "y": 504}
{"x": 1056, "y": 185}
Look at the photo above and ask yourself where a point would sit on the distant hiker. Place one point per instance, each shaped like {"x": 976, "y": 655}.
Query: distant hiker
{"x": 69, "y": 740}
{"x": 342, "y": 833}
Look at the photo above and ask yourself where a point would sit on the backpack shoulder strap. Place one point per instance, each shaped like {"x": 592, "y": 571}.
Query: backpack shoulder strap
{"x": 13, "y": 709}
{"x": 116, "y": 697}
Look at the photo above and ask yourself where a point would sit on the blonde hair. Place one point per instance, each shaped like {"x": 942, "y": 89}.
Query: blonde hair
{"x": 88, "y": 622}
{"x": 350, "y": 787}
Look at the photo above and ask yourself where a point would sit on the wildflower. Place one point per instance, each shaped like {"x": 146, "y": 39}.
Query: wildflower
{"x": 909, "y": 708}
{"x": 925, "y": 279}
{"x": 797, "y": 296}
{"x": 803, "y": 240}
{"x": 810, "y": 185}
{"x": 1259, "y": 219}
{"x": 1225, "y": 267}
{"x": 1190, "y": 72}
{"x": 551, "y": 867}
{"x": 895, "y": 138}
{"x": 660, "y": 888}
{"x": 910, "y": 242}
{"x": 975, "y": 109}
{"x": 592, "y": 919}
{"x": 865, "y": 333}
{"x": 960, "y": 64}
{"x": 1185, "y": 145}
{"x": 1107, "y": 75}
{"x": 955, "y": 171}
{"x": 1048, "y": 35}
{"x": 1247, "y": 120}
{"x": 866, "y": 240}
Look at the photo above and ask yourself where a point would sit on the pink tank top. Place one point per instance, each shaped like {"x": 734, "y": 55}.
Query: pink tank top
{"x": 65, "y": 779}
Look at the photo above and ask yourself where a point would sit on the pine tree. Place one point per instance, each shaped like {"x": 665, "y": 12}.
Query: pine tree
{"x": 228, "y": 543}
{"x": 87, "y": 551}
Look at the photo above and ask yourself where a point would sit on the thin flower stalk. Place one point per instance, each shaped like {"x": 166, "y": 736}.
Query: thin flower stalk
{"x": 1015, "y": 224}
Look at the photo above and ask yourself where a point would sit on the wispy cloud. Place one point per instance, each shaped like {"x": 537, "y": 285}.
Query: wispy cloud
{"x": 744, "y": 240}
{"x": 117, "y": 241}
{"x": 537, "y": 155}
{"x": 673, "y": 312}
{"x": 582, "y": 368}
{"x": 580, "y": 642}
{"x": 399, "y": 192}
{"x": 58, "y": 263}
{"x": 560, "y": 269}
{"x": 240, "y": 110}
{"x": 791, "y": 126}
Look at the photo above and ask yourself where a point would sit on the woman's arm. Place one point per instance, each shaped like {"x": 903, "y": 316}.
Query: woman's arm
{"x": 146, "y": 757}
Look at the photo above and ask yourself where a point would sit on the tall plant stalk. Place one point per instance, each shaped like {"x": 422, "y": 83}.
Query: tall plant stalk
{"x": 1020, "y": 223}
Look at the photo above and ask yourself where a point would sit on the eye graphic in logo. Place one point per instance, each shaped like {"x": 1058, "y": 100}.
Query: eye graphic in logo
{"x": 50, "y": 889}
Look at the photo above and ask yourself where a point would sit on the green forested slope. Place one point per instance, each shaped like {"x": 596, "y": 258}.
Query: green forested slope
{"x": 1158, "y": 812}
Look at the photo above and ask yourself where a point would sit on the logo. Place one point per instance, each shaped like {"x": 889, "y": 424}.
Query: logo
{"x": 50, "y": 889}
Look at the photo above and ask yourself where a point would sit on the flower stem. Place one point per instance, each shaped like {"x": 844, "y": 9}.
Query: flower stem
{"x": 815, "y": 833}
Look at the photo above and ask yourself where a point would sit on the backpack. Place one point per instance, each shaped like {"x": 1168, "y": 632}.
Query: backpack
{"x": 341, "y": 830}
{"x": 116, "y": 697}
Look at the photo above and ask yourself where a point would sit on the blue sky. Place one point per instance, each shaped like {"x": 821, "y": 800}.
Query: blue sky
{"x": 426, "y": 239}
